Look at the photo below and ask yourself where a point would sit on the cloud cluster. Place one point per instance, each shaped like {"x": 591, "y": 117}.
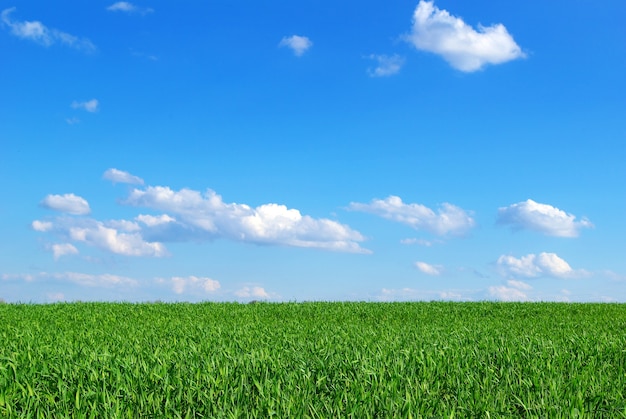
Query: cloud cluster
{"x": 388, "y": 65}
{"x": 463, "y": 47}
{"x": 68, "y": 203}
{"x": 298, "y": 44}
{"x": 194, "y": 284}
{"x": 187, "y": 215}
{"x": 543, "y": 218}
{"x": 252, "y": 292}
{"x": 532, "y": 266}
{"x": 207, "y": 216}
{"x": 39, "y": 33}
{"x": 449, "y": 219}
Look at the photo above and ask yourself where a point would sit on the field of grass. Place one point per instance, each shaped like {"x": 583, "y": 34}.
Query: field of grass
{"x": 313, "y": 360}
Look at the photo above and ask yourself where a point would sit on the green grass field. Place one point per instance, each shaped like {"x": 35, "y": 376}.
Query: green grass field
{"x": 313, "y": 360}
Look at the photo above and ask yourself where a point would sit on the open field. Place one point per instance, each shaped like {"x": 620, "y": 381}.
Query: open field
{"x": 313, "y": 360}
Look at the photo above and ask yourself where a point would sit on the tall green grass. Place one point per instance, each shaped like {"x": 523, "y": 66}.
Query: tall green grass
{"x": 357, "y": 360}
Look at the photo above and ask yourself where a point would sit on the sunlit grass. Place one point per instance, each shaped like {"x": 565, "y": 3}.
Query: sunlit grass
{"x": 313, "y": 360}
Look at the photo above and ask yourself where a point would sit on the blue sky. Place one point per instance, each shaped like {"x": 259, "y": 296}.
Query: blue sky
{"x": 319, "y": 150}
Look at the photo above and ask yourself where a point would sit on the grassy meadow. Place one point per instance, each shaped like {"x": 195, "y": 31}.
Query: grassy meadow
{"x": 360, "y": 360}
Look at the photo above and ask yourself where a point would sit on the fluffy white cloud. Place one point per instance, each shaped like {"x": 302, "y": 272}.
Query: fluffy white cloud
{"x": 449, "y": 219}
{"x": 298, "y": 44}
{"x": 124, "y": 6}
{"x": 463, "y": 47}
{"x": 62, "y": 249}
{"x": 512, "y": 291}
{"x": 434, "y": 270}
{"x": 207, "y": 216}
{"x": 89, "y": 105}
{"x": 252, "y": 292}
{"x": 68, "y": 203}
{"x": 38, "y": 32}
{"x": 542, "y": 218}
{"x": 118, "y": 236}
{"x": 194, "y": 284}
{"x": 152, "y": 220}
{"x": 120, "y": 176}
{"x": 388, "y": 65}
{"x": 531, "y": 266}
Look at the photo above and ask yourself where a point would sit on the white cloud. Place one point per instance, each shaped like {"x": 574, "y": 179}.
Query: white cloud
{"x": 450, "y": 219}
{"x": 412, "y": 294}
{"x": 152, "y": 220}
{"x": 463, "y": 47}
{"x": 72, "y": 121}
{"x": 512, "y": 291}
{"x": 55, "y": 296}
{"x": 63, "y": 249}
{"x": 299, "y": 44}
{"x": 542, "y": 218}
{"x": 532, "y": 266}
{"x": 41, "y": 226}
{"x": 207, "y": 216}
{"x": 120, "y": 176}
{"x": 117, "y": 236}
{"x": 68, "y": 203}
{"x": 194, "y": 284}
{"x": 388, "y": 65}
{"x": 89, "y": 105}
{"x": 124, "y": 6}
{"x": 82, "y": 279}
{"x": 252, "y": 292}
{"x": 39, "y": 33}
{"x": 434, "y": 270}
{"x": 110, "y": 239}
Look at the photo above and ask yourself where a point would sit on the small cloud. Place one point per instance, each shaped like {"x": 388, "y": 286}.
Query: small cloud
{"x": 252, "y": 292}
{"x": 72, "y": 121}
{"x": 82, "y": 279}
{"x": 54, "y": 297}
{"x": 68, "y": 203}
{"x": 532, "y": 266}
{"x": 450, "y": 219}
{"x": 124, "y": 6}
{"x": 41, "y": 226}
{"x": 90, "y": 105}
{"x": 63, "y": 249}
{"x": 463, "y": 47}
{"x": 39, "y": 33}
{"x": 152, "y": 220}
{"x": 194, "y": 284}
{"x": 298, "y": 44}
{"x": 542, "y": 218}
{"x": 388, "y": 65}
{"x": 119, "y": 176}
{"x": 433, "y": 270}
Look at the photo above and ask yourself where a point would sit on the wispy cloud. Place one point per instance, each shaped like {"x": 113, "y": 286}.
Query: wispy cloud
{"x": 82, "y": 279}
{"x": 68, "y": 203}
{"x": 130, "y": 8}
{"x": 193, "y": 284}
{"x": 463, "y": 47}
{"x": 541, "y": 265}
{"x": 120, "y": 176}
{"x": 543, "y": 218}
{"x": 252, "y": 292}
{"x": 449, "y": 218}
{"x": 298, "y": 44}
{"x": 428, "y": 269}
{"x": 387, "y": 65}
{"x": 39, "y": 33}
{"x": 207, "y": 216}
{"x": 512, "y": 291}
{"x": 89, "y": 105}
